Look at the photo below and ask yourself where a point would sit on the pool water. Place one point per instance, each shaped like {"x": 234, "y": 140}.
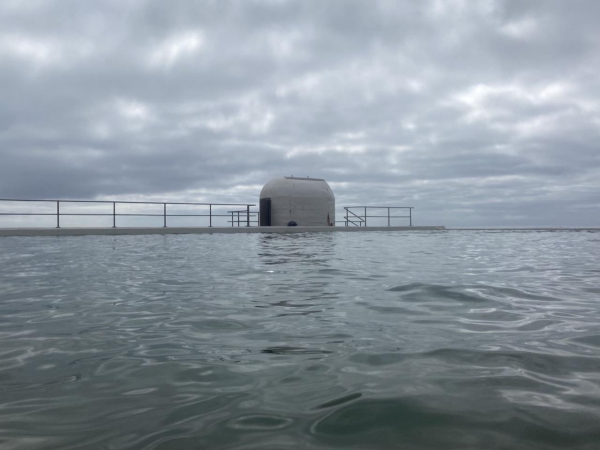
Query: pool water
{"x": 416, "y": 340}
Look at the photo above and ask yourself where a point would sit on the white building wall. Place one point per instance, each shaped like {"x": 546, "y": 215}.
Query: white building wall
{"x": 306, "y": 201}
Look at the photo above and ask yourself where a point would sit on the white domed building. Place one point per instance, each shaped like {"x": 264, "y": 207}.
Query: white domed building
{"x": 303, "y": 201}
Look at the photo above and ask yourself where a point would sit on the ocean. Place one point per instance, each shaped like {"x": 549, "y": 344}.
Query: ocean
{"x": 383, "y": 340}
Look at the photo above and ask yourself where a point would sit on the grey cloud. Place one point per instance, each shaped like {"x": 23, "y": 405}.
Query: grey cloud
{"x": 476, "y": 113}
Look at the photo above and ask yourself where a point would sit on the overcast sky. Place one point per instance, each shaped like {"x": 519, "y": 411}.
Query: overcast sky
{"x": 475, "y": 112}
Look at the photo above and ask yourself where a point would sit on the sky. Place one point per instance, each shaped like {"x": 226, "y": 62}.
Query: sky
{"x": 476, "y": 113}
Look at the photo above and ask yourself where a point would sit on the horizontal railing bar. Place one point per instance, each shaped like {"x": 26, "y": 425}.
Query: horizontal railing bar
{"x": 391, "y": 217}
{"x": 117, "y": 214}
{"x": 110, "y": 214}
{"x": 186, "y": 215}
{"x": 381, "y": 207}
{"x": 150, "y": 215}
{"x": 123, "y": 202}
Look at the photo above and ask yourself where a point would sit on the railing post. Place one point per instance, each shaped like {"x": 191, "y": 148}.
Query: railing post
{"x": 247, "y": 215}
{"x": 231, "y": 219}
{"x": 238, "y": 214}
{"x": 114, "y": 215}
{"x": 210, "y": 215}
{"x": 410, "y": 217}
{"x": 365, "y": 216}
{"x": 388, "y": 216}
{"x": 57, "y": 214}
{"x": 165, "y": 215}
{"x": 346, "y": 215}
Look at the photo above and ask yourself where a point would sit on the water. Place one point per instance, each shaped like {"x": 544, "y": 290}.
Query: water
{"x": 421, "y": 340}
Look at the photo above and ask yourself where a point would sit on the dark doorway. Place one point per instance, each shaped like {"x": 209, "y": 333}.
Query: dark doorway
{"x": 265, "y": 212}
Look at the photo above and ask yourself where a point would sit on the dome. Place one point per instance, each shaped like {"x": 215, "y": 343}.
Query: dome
{"x": 306, "y": 201}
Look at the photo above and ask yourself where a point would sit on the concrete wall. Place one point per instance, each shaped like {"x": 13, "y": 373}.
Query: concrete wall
{"x": 306, "y": 201}
{"x": 204, "y": 230}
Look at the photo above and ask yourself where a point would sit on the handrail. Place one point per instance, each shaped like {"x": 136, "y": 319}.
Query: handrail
{"x": 122, "y": 201}
{"x": 351, "y": 221}
{"x": 381, "y": 207}
{"x": 248, "y": 214}
{"x": 243, "y": 215}
{"x": 363, "y": 218}
{"x": 114, "y": 213}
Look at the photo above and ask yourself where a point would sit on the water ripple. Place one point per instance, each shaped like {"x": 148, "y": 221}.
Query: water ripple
{"x": 425, "y": 340}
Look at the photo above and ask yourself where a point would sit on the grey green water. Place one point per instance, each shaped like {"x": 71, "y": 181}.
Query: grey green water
{"x": 421, "y": 340}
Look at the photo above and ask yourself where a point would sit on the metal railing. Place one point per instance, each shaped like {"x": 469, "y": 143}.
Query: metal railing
{"x": 355, "y": 218}
{"x": 114, "y": 213}
{"x": 240, "y": 217}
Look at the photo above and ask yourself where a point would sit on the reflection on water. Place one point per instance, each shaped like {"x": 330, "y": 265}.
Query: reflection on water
{"x": 462, "y": 340}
